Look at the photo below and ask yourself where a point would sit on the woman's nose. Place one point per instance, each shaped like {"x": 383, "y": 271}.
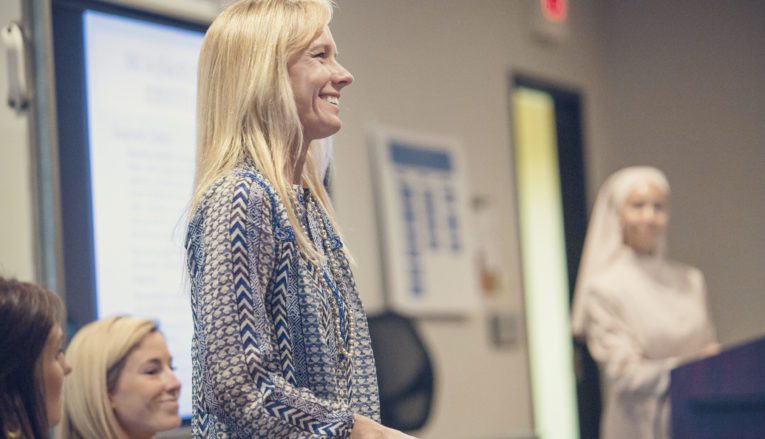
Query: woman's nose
{"x": 173, "y": 384}
{"x": 342, "y": 76}
{"x": 649, "y": 213}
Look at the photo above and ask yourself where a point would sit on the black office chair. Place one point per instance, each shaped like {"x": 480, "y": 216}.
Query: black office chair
{"x": 404, "y": 372}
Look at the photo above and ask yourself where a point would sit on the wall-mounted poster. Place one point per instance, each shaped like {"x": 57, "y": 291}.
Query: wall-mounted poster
{"x": 422, "y": 199}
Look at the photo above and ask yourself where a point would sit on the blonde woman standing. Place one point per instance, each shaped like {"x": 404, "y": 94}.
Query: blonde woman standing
{"x": 123, "y": 386}
{"x": 281, "y": 345}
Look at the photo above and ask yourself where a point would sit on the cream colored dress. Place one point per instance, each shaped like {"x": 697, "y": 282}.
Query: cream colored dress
{"x": 643, "y": 315}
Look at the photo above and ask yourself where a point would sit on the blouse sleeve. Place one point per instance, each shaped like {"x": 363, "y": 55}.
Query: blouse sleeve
{"x": 618, "y": 352}
{"x": 234, "y": 334}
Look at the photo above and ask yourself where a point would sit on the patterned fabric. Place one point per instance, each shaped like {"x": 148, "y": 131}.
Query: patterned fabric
{"x": 281, "y": 347}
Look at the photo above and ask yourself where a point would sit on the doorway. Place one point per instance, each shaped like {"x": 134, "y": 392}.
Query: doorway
{"x": 551, "y": 199}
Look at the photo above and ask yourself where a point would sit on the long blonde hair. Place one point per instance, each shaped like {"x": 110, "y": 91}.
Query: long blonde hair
{"x": 97, "y": 354}
{"x": 246, "y": 108}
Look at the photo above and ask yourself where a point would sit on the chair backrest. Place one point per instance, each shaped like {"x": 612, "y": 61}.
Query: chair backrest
{"x": 404, "y": 371}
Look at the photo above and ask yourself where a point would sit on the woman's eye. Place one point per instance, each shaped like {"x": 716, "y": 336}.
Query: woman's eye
{"x": 321, "y": 55}
{"x": 152, "y": 371}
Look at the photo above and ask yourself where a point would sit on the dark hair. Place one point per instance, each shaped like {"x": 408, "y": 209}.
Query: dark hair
{"x": 28, "y": 313}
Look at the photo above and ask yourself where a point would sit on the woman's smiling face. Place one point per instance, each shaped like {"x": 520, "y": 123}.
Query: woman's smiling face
{"x": 145, "y": 399}
{"x": 317, "y": 78}
{"x": 644, "y": 217}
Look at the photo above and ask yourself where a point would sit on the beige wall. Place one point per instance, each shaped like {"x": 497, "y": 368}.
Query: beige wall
{"x": 675, "y": 86}
{"x": 16, "y": 219}
{"x": 443, "y": 67}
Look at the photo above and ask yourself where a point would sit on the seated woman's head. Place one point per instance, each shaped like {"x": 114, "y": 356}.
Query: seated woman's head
{"x": 123, "y": 385}
{"x": 32, "y": 363}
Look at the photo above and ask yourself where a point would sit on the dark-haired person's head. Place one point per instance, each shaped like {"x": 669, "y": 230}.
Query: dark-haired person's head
{"x": 32, "y": 363}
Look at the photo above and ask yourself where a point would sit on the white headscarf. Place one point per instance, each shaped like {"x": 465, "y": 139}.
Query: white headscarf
{"x": 605, "y": 238}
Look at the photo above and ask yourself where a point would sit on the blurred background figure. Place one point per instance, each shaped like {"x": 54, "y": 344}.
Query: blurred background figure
{"x": 123, "y": 386}
{"x": 32, "y": 363}
{"x": 640, "y": 314}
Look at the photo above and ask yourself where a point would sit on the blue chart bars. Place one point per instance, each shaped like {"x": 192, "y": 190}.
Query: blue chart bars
{"x": 431, "y": 170}
{"x": 427, "y": 243}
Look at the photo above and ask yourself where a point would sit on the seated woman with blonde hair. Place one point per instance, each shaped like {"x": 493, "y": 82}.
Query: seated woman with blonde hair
{"x": 123, "y": 386}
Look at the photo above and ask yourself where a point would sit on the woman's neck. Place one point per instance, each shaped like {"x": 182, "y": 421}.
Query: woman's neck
{"x": 296, "y": 175}
{"x": 648, "y": 261}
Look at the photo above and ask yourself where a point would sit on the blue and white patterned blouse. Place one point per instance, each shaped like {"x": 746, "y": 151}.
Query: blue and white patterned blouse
{"x": 281, "y": 346}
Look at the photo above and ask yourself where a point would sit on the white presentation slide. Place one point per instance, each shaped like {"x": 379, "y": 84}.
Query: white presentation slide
{"x": 141, "y": 93}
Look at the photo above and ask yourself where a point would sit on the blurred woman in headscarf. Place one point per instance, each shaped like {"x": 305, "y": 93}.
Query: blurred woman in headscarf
{"x": 640, "y": 313}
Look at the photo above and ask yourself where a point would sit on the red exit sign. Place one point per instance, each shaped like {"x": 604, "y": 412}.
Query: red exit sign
{"x": 554, "y": 10}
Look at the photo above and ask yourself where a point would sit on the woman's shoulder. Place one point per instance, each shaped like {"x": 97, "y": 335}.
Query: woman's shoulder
{"x": 616, "y": 272}
{"x": 604, "y": 284}
{"x": 246, "y": 190}
{"x": 687, "y": 277}
{"x": 615, "y": 282}
{"x": 242, "y": 184}
{"x": 682, "y": 268}
{"x": 238, "y": 191}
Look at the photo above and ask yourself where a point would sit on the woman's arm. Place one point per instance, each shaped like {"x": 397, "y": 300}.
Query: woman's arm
{"x": 615, "y": 347}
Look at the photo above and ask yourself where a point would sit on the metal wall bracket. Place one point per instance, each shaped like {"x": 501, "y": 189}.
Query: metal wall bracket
{"x": 19, "y": 94}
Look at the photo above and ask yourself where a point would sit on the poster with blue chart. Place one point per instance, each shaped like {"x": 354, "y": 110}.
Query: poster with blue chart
{"x": 422, "y": 196}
